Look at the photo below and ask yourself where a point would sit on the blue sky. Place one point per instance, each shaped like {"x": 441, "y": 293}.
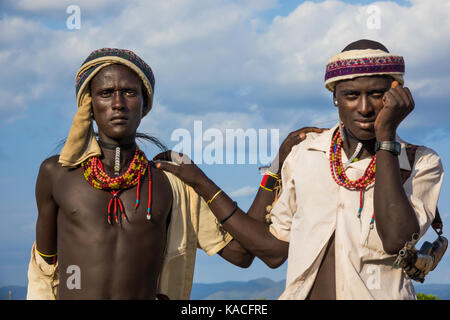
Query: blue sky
{"x": 251, "y": 64}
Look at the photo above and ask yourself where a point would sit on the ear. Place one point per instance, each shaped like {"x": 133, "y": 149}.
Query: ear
{"x": 144, "y": 99}
{"x": 335, "y": 102}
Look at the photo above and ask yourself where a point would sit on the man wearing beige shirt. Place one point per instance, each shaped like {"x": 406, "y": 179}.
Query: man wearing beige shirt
{"x": 338, "y": 226}
{"x": 109, "y": 225}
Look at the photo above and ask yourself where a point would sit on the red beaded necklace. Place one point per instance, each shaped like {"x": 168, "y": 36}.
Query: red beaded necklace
{"x": 96, "y": 176}
{"x": 339, "y": 176}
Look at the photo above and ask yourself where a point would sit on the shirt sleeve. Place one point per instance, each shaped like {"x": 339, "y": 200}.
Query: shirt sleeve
{"x": 424, "y": 185}
{"x": 284, "y": 209}
{"x": 42, "y": 278}
{"x": 211, "y": 237}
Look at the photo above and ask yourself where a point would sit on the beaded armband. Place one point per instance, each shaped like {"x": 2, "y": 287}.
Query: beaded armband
{"x": 49, "y": 258}
{"x": 269, "y": 181}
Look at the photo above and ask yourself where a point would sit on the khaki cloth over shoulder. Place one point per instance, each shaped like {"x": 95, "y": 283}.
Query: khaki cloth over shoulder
{"x": 312, "y": 206}
{"x": 192, "y": 226}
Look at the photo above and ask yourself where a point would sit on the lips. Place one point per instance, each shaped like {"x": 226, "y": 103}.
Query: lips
{"x": 119, "y": 119}
{"x": 365, "y": 124}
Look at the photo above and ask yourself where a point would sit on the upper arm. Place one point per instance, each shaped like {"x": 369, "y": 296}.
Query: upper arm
{"x": 46, "y": 225}
{"x": 210, "y": 236}
{"x": 423, "y": 187}
{"x": 285, "y": 207}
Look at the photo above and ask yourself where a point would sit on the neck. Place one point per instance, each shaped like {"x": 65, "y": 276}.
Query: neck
{"x": 114, "y": 146}
{"x": 350, "y": 142}
{"x": 127, "y": 149}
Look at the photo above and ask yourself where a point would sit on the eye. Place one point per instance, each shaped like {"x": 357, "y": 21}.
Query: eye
{"x": 130, "y": 93}
{"x": 351, "y": 95}
{"x": 377, "y": 95}
{"x": 105, "y": 93}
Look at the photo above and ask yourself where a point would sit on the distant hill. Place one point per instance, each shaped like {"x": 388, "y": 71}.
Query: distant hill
{"x": 18, "y": 292}
{"x": 238, "y": 290}
{"x": 268, "y": 289}
{"x": 261, "y": 288}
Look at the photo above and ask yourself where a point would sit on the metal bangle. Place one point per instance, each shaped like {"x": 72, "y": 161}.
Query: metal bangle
{"x": 217, "y": 193}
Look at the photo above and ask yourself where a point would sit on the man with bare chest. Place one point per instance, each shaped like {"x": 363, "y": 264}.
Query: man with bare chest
{"x": 339, "y": 228}
{"x": 111, "y": 226}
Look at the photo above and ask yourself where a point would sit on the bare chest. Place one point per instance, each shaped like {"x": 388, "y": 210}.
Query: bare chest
{"x": 83, "y": 212}
{"x": 78, "y": 200}
{"x": 105, "y": 253}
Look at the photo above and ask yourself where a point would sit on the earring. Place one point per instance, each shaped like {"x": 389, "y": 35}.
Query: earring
{"x": 335, "y": 102}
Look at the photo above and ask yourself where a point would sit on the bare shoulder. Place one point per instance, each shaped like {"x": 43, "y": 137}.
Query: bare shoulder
{"x": 50, "y": 168}
{"x": 162, "y": 180}
{"x": 428, "y": 158}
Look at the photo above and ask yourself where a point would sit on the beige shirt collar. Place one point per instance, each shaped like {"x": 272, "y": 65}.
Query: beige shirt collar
{"x": 322, "y": 143}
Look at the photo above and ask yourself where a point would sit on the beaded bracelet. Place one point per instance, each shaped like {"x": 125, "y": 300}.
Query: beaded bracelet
{"x": 269, "y": 181}
{"x": 232, "y": 212}
{"x": 49, "y": 258}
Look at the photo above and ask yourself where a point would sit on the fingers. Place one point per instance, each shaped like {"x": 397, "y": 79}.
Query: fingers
{"x": 388, "y": 99}
{"x": 166, "y": 156}
{"x": 303, "y": 131}
{"x": 173, "y": 156}
{"x": 311, "y": 129}
{"x": 408, "y": 93}
{"x": 394, "y": 84}
{"x": 172, "y": 168}
{"x": 399, "y": 95}
{"x": 396, "y": 99}
{"x": 404, "y": 98}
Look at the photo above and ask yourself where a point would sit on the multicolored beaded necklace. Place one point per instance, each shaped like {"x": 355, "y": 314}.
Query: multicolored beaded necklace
{"x": 339, "y": 176}
{"x": 96, "y": 176}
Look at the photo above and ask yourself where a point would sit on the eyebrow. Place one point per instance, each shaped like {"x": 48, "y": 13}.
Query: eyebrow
{"x": 373, "y": 90}
{"x": 109, "y": 88}
{"x": 381, "y": 89}
{"x": 347, "y": 91}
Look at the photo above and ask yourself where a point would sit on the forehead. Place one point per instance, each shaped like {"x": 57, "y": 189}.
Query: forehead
{"x": 116, "y": 74}
{"x": 364, "y": 83}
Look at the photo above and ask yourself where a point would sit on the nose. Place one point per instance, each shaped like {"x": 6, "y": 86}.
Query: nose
{"x": 365, "y": 108}
{"x": 118, "y": 100}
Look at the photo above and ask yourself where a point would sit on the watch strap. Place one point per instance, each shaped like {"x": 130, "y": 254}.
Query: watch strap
{"x": 391, "y": 146}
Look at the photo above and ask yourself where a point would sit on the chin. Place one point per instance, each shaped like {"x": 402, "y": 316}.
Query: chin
{"x": 363, "y": 135}
{"x": 120, "y": 134}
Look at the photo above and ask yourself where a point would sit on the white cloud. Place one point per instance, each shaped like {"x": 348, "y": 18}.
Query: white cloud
{"x": 163, "y": 120}
{"x": 208, "y": 56}
{"x": 219, "y": 61}
{"x": 51, "y": 6}
{"x": 244, "y": 192}
{"x": 299, "y": 44}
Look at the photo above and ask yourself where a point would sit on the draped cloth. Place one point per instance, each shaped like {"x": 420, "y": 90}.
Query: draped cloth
{"x": 81, "y": 142}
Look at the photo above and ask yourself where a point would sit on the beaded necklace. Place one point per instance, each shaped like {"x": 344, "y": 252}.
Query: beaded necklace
{"x": 96, "y": 176}
{"x": 339, "y": 176}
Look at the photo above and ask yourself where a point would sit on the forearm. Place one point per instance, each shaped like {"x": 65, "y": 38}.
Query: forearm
{"x": 258, "y": 209}
{"x": 395, "y": 218}
{"x": 249, "y": 230}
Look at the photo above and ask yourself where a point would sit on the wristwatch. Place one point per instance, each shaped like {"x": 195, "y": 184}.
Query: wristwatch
{"x": 391, "y": 146}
